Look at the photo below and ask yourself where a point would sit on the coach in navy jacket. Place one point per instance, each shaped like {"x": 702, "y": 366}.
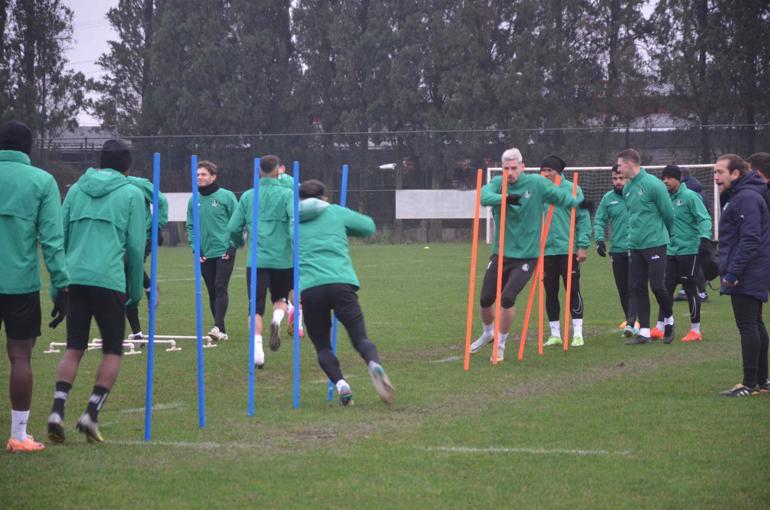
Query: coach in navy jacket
{"x": 744, "y": 260}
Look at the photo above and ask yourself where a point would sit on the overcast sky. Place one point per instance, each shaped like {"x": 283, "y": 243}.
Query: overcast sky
{"x": 91, "y": 33}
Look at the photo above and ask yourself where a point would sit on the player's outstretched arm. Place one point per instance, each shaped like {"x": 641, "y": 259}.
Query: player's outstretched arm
{"x": 357, "y": 224}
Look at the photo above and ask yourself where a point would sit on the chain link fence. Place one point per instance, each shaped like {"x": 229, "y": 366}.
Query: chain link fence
{"x": 381, "y": 163}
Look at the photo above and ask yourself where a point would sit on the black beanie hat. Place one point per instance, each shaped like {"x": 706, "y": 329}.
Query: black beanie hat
{"x": 15, "y": 136}
{"x": 553, "y": 162}
{"x": 672, "y": 171}
{"x": 116, "y": 154}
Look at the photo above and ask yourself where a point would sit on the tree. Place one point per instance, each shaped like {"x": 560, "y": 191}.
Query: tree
{"x": 127, "y": 78}
{"x": 44, "y": 94}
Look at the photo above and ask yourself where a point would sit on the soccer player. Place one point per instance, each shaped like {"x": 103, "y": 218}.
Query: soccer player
{"x": 692, "y": 230}
{"x": 329, "y": 284}
{"x": 216, "y": 206}
{"x": 527, "y": 196}
{"x": 30, "y": 215}
{"x": 145, "y": 186}
{"x": 744, "y": 260}
{"x": 274, "y": 266}
{"x": 104, "y": 236}
{"x": 612, "y": 212}
{"x": 650, "y": 221}
{"x": 695, "y": 185}
{"x": 557, "y": 252}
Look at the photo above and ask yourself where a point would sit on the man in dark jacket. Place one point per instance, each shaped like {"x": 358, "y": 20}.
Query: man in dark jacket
{"x": 744, "y": 261}
{"x": 760, "y": 163}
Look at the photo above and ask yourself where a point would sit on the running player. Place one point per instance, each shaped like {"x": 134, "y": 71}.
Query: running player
{"x": 274, "y": 263}
{"x": 527, "y": 196}
{"x": 104, "y": 237}
{"x": 329, "y": 284}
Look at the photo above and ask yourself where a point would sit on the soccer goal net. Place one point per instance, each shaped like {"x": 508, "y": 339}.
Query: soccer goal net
{"x": 595, "y": 181}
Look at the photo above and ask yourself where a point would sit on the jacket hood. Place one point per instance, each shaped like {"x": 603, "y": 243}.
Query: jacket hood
{"x": 751, "y": 181}
{"x": 145, "y": 185}
{"x": 311, "y": 208}
{"x": 97, "y": 183}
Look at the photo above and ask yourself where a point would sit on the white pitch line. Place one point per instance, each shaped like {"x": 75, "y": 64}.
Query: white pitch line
{"x": 185, "y": 444}
{"x": 446, "y": 360}
{"x": 156, "y": 407}
{"x": 535, "y": 451}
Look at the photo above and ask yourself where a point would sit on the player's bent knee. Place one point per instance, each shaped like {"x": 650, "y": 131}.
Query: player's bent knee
{"x": 507, "y": 302}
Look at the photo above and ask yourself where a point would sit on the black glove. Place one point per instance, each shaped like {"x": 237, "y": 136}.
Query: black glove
{"x": 704, "y": 244}
{"x": 230, "y": 252}
{"x": 586, "y": 204}
{"x": 513, "y": 199}
{"x": 60, "y": 307}
{"x": 601, "y": 248}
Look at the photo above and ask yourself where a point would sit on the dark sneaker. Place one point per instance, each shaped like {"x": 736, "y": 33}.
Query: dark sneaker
{"x": 765, "y": 387}
{"x": 90, "y": 428}
{"x": 668, "y": 334}
{"x": 275, "y": 339}
{"x": 55, "y": 428}
{"x": 638, "y": 340}
{"x": 739, "y": 390}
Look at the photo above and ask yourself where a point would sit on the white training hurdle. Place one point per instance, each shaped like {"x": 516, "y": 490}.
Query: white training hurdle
{"x": 131, "y": 345}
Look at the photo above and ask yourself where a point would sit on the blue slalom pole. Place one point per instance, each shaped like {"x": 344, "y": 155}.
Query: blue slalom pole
{"x": 153, "y": 299}
{"x": 297, "y": 290}
{"x": 253, "y": 236}
{"x": 343, "y": 202}
{"x": 198, "y": 303}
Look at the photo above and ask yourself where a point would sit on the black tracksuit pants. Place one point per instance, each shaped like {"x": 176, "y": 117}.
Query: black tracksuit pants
{"x": 754, "y": 341}
{"x": 318, "y": 303}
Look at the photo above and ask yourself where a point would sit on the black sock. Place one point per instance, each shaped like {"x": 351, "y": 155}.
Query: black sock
{"x": 96, "y": 401}
{"x": 60, "y": 397}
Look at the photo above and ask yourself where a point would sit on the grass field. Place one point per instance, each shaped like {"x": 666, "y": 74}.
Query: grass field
{"x": 602, "y": 426}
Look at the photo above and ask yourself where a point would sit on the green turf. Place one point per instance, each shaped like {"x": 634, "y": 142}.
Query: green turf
{"x": 605, "y": 425}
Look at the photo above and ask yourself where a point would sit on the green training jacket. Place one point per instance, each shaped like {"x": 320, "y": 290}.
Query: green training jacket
{"x": 104, "y": 233}
{"x": 324, "y": 256}
{"x": 145, "y": 186}
{"x": 650, "y": 213}
{"x": 214, "y": 212}
{"x": 30, "y": 213}
{"x": 612, "y": 211}
{"x": 523, "y": 222}
{"x": 276, "y": 214}
{"x": 691, "y": 222}
{"x": 286, "y": 180}
{"x": 558, "y": 234}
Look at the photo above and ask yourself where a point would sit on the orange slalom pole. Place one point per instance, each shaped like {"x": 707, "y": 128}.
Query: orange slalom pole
{"x": 536, "y": 278}
{"x": 540, "y": 317}
{"x": 500, "y": 251}
{"x": 472, "y": 279}
{"x": 570, "y": 253}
